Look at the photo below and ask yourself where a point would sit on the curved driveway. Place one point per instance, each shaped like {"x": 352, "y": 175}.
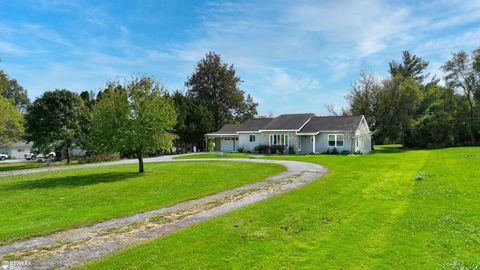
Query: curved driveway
{"x": 76, "y": 246}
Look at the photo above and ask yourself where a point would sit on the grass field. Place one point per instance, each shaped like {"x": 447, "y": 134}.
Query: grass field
{"x": 5, "y": 166}
{"x": 393, "y": 209}
{"x": 18, "y": 166}
{"x": 41, "y": 203}
{"x": 219, "y": 155}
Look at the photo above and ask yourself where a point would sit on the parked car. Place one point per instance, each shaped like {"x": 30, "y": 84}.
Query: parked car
{"x": 3, "y": 156}
{"x": 33, "y": 156}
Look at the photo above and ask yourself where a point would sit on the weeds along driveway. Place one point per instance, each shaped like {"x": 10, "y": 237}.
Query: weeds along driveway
{"x": 76, "y": 246}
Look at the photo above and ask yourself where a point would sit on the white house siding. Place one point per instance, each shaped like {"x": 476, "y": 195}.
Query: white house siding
{"x": 363, "y": 138}
{"x": 244, "y": 141}
{"x": 17, "y": 150}
{"x": 321, "y": 143}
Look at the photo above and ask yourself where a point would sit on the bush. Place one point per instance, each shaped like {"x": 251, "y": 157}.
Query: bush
{"x": 345, "y": 152}
{"x": 277, "y": 149}
{"x": 211, "y": 145}
{"x": 240, "y": 149}
{"x": 262, "y": 149}
{"x": 291, "y": 150}
{"x": 99, "y": 158}
{"x": 334, "y": 151}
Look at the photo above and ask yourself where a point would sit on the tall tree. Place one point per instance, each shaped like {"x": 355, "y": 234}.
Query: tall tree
{"x": 137, "y": 117}
{"x": 217, "y": 86}
{"x": 436, "y": 125}
{"x": 11, "y": 122}
{"x": 363, "y": 98}
{"x": 53, "y": 121}
{"x": 398, "y": 103}
{"x": 463, "y": 74}
{"x": 11, "y": 89}
{"x": 411, "y": 66}
{"x": 194, "y": 121}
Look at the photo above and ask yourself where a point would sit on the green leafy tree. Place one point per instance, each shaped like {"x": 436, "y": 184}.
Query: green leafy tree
{"x": 411, "y": 66}
{"x": 463, "y": 75}
{"x": 11, "y": 122}
{"x": 137, "y": 118}
{"x": 54, "y": 120}
{"x": 398, "y": 103}
{"x": 216, "y": 85}
{"x": 363, "y": 98}
{"x": 436, "y": 126}
{"x": 11, "y": 89}
{"x": 194, "y": 121}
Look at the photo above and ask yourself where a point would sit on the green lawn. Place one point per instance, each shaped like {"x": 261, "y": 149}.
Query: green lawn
{"x": 390, "y": 210}
{"x": 41, "y": 203}
{"x": 219, "y": 155}
{"x": 5, "y": 166}
{"x": 18, "y": 166}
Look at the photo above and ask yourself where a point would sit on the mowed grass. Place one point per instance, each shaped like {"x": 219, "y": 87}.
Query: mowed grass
{"x": 15, "y": 166}
{"x": 389, "y": 210}
{"x": 42, "y": 203}
{"x": 219, "y": 155}
{"x": 4, "y": 167}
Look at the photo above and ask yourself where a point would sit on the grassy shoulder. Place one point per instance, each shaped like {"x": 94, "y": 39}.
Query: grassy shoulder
{"x": 372, "y": 212}
{"x": 41, "y": 203}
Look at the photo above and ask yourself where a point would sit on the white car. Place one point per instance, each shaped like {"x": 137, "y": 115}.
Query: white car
{"x": 33, "y": 156}
{"x": 3, "y": 156}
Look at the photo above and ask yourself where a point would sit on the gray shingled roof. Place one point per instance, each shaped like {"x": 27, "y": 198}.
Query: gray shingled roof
{"x": 227, "y": 129}
{"x": 288, "y": 121}
{"x": 331, "y": 123}
{"x": 294, "y": 121}
{"x": 254, "y": 124}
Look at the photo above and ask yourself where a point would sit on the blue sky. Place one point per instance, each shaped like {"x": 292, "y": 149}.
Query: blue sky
{"x": 293, "y": 56}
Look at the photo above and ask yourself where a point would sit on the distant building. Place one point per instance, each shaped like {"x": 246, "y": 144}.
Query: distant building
{"x": 15, "y": 150}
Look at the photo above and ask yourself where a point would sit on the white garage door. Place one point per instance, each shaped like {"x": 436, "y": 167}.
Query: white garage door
{"x": 227, "y": 145}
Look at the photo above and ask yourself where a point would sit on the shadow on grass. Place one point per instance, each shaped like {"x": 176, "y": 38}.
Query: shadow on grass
{"x": 6, "y": 168}
{"x": 389, "y": 149}
{"x": 71, "y": 181}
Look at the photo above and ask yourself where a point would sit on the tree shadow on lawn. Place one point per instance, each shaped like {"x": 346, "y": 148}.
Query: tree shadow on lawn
{"x": 71, "y": 181}
{"x": 9, "y": 167}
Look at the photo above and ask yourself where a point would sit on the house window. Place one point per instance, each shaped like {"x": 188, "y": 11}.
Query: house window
{"x": 20, "y": 150}
{"x": 278, "y": 139}
{"x": 335, "y": 140}
{"x": 331, "y": 140}
{"x": 252, "y": 138}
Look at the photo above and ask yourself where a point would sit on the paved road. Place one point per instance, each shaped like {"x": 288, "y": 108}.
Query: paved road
{"x": 76, "y": 246}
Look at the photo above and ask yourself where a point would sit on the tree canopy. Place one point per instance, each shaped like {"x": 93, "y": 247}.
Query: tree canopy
{"x": 11, "y": 89}
{"x": 137, "y": 117}
{"x": 11, "y": 122}
{"x": 216, "y": 85}
{"x": 194, "y": 121}
{"x": 404, "y": 109}
{"x": 411, "y": 66}
{"x": 53, "y": 121}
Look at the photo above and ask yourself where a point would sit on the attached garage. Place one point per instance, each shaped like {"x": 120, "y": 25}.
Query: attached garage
{"x": 228, "y": 144}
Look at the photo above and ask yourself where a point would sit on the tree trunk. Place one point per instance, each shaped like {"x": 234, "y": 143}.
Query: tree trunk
{"x": 68, "y": 156}
{"x": 140, "y": 163}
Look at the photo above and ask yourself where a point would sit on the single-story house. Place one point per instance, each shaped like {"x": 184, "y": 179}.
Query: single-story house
{"x": 306, "y": 133}
{"x": 15, "y": 150}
